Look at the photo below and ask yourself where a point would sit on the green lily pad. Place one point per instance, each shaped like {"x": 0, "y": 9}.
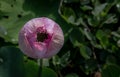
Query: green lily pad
{"x": 11, "y": 62}
{"x": 15, "y": 13}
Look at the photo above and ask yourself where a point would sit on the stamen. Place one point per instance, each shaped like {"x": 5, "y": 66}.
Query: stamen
{"x": 42, "y": 36}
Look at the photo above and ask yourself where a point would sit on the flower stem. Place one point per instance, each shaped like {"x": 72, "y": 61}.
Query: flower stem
{"x": 40, "y": 63}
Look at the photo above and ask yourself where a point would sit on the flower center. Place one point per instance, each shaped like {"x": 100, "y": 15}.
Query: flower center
{"x": 42, "y": 36}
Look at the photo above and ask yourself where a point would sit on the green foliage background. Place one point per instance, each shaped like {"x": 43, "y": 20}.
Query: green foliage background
{"x": 91, "y": 31}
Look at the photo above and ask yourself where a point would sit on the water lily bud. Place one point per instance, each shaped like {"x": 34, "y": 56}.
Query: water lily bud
{"x": 41, "y": 38}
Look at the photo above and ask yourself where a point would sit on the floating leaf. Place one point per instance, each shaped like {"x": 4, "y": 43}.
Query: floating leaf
{"x": 30, "y": 68}
{"x": 11, "y": 62}
{"x": 46, "y": 72}
{"x": 14, "y": 14}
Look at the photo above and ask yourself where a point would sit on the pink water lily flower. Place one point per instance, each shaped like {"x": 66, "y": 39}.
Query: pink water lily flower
{"x": 41, "y": 38}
